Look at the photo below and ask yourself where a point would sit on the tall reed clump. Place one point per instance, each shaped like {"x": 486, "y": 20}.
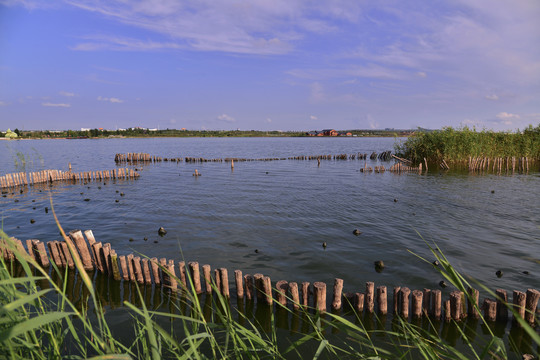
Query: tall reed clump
{"x": 457, "y": 145}
{"x": 34, "y": 324}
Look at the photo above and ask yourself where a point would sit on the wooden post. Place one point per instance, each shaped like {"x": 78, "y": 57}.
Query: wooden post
{"x": 359, "y": 302}
{"x": 114, "y": 265}
{"x": 519, "y": 300}
{"x": 472, "y": 303}
{"x": 338, "y": 290}
{"x": 96, "y": 249}
{"x": 305, "y": 294}
{"x": 166, "y": 278}
{"x": 106, "y": 252}
{"x": 281, "y": 292}
{"x": 90, "y": 237}
{"x": 455, "y": 305}
{"x": 295, "y": 297}
{"x": 182, "y": 274}
{"x": 58, "y": 246}
{"x": 502, "y": 301}
{"x": 382, "y": 300}
{"x": 531, "y": 303}
{"x": 396, "y": 299}
{"x": 195, "y": 276}
{"x": 416, "y": 305}
{"x": 123, "y": 265}
{"x": 490, "y": 310}
{"x": 259, "y": 288}
{"x": 138, "y": 270}
{"x": 267, "y": 289}
{"x": 370, "y": 297}
{"x": 130, "y": 267}
{"x": 146, "y": 272}
{"x": 436, "y": 299}
{"x": 207, "y": 278}
{"x": 53, "y": 250}
{"x": 155, "y": 270}
{"x": 319, "y": 295}
{"x": 248, "y": 279}
{"x": 224, "y": 282}
{"x": 239, "y": 282}
{"x": 39, "y": 249}
{"x": 173, "y": 283}
{"x": 67, "y": 255}
{"x": 404, "y": 294}
{"x": 29, "y": 246}
{"x": 217, "y": 276}
{"x": 447, "y": 311}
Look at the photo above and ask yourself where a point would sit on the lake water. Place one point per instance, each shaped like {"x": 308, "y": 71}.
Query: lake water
{"x": 286, "y": 210}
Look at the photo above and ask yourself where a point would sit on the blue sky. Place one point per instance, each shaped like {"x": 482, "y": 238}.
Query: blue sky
{"x": 269, "y": 65}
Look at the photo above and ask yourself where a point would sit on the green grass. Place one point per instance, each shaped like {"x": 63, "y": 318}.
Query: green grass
{"x": 457, "y": 145}
{"x": 34, "y": 324}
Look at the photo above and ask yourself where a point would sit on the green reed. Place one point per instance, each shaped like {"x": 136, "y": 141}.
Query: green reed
{"x": 457, "y": 145}
{"x": 36, "y": 325}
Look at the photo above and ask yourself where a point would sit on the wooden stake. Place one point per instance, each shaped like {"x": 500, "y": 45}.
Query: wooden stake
{"x": 146, "y": 272}
{"x": 131, "y": 267}
{"x": 114, "y": 266}
{"x": 447, "y": 311}
{"x": 338, "y": 290}
{"x": 396, "y": 299}
{"x": 248, "y": 279}
{"x": 67, "y": 255}
{"x": 370, "y": 297}
{"x": 166, "y": 278}
{"x": 519, "y": 300}
{"x": 53, "y": 250}
{"x": 173, "y": 283}
{"x": 416, "y": 305}
{"x": 123, "y": 265}
{"x": 490, "y": 309}
{"x": 319, "y": 295}
{"x": 155, "y": 270}
{"x": 138, "y": 270}
{"x": 472, "y": 303}
{"x": 295, "y": 297}
{"x": 382, "y": 300}
{"x": 195, "y": 276}
{"x": 224, "y": 282}
{"x": 96, "y": 249}
{"x": 436, "y": 298}
{"x": 404, "y": 294}
{"x": 455, "y": 305}
{"x": 239, "y": 282}
{"x": 106, "y": 251}
{"x": 530, "y": 305}
{"x": 502, "y": 301}
{"x": 207, "y": 278}
{"x": 305, "y": 294}
{"x": 267, "y": 289}
{"x": 39, "y": 249}
{"x": 259, "y": 288}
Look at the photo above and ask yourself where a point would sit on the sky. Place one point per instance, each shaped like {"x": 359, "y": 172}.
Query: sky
{"x": 269, "y": 64}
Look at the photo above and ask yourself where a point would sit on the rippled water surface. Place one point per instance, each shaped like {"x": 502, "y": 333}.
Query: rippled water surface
{"x": 286, "y": 210}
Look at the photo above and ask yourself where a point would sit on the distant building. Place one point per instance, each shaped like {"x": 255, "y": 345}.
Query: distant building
{"x": 330, "y": 132}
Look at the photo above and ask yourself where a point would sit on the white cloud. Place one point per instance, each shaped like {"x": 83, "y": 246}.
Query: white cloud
{"x": 111, "y": 100}
{"x": 313, "y": 117}
{"x": 226, "y": 118}
{"x": 68, "y": 94}
{"x": 48, "y": 104}
{"x": 492, "y": 97}
{"x": 2, "y": 103}
{"x": 268, "y": 120}
{"x": 421, "y": 74}
{"x": 507, "y": 116}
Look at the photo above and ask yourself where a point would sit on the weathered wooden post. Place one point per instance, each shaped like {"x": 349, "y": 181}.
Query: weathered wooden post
{"x": 195, "y": 276}
{"x": 131, "y": 268}
{"x": 123, "y": 265}
{"x": 182, "y": 274}
{"x": 397, "y": 291}
{"x": 338, "y": 290}
{"x": 305, "y": 294}
{"x": 106, "y": 252}
{"x": 382, "y": 300}
{"x": 67, "y": 255}
{"x": 293, "y": 290}
{"x": 39, "y": 249}
{"x": 455, "y": 305}
{"x": 155, "y": 270}
{"x": 165, "y": 275}
{"x": 490, "y": 309}
{"x": 96, "y": 249}
{"x": 53, "y": 250}
{"x": 250, "y": 290}
{"x": 146, "y": 272}
{"x": 426, "y": 301}
{"x": 319, "y": 295}
{"x": 207, "y": 278}
{"x": 404, "y": 298}
{"x": 281, "y": 292}
{"x": 370, "y": 297}
{"x": 239, "y": 282}
{"x": 138, "y": 271}
{"x": 259, "y": 288}
{"x": 519, "y": 300}
{"x": 173, "y": 283}
{"x": 114, "y": 265}
{"x": 359, "y": 302}
{"x": 531, "y": 303}
{"x": 502, "y": 301}
{"x": 80, "y": 243}
{"x": 447, "y": 311}
{"x": 416, "y": 306}
{"x": 267, "y": 288}
{"x": 224, "y": 282}
{"x": 472, "y": 303}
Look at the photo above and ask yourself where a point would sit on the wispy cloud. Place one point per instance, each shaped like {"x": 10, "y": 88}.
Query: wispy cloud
{"x": 226, "y": 118}
{"x": 48, "y": 104}
{"x": 3, "y": 103}
{"x": 313, "y": 117}
{"x": 66, "y": 93}
{"x": 111, "y": 99}
{"x": 492, "y": 97}
{"x": 96, "y": 43}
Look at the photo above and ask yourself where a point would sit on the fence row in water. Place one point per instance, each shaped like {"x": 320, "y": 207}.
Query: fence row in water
{"x": 143, "y": 157}
{"x": 50, "y": 176}
{"x": 396, "y": 168}
{"x": 499, "y": 164}
{"x": 406, "y": 303}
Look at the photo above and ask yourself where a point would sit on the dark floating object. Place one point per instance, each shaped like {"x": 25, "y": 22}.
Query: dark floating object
{"x": 116, "y": 200}
{"x": 267, "y": 172}
{"x": 442, "y": 284}
{"x": 34, "y": 200}
{"x": 87, "y": 199}
{"x": 161, "y": 231}
{"x": 130, "y": 239}
{"x": 46, "y": 210}
{"x": 414, "y": 214}
{"x": 32, "y": 221}
{"x": 379, "y": 266}
{"x": 356, "y": 232}
{"x": 99, "y": 187}
{"x": 493, "y": 191}
{"x": 122, "y": 194}
{"x": 117, "y": 191}
{"x": 89, "y": 187}
{"x": 324, "y": 245}
{"x": 34, "y": 208}
{"x": 145, "y": 238}
{"x": 526, "y": 272}
{"x": 436, "y": 263}
{"x": 256, "y": 251}
{"x": 395, "y": 200}
{"x": 81, "y": 193}
{"x": 20, "y": 191}
{"x": 499, "y": 273}
{"x": 16, "y": 200}
{"x": 155, "y": 241}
